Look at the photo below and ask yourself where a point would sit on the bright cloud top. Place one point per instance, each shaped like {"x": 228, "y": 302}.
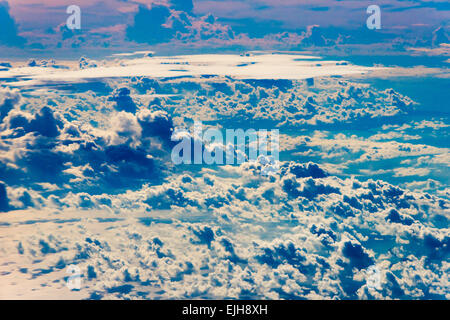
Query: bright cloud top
{"x": 261, "y": 66}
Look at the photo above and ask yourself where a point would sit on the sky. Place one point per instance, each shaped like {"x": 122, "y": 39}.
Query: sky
{"x": 36, "y": 26}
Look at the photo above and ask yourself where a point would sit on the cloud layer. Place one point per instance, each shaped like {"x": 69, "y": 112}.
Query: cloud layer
{"x": 327, "y": 26}
{"x": 86, "y": 179}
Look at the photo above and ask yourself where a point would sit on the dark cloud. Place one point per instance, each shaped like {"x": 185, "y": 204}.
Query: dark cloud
{"x": 96, "y": 161}
{"x": 282, "y": 253}
{"x": 357, "y": 255}
{"x": 157, "y": 123}
{"x": 204, "y": 234}
{"x": 9, "y": 33}
{"x": 303, "y": 170}
{"x": 161, "y": 24}
{"x": 148, "y": 25}
{"x": 121, "y": 96}
{"x": 4, "y": 201}
{"x": 309, "y": 188}
{"x": 8, "y": 99}
{"x": 43, "y": 122}
{"x": 395, "y": 217}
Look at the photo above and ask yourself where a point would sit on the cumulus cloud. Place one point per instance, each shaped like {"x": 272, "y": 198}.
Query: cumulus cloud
{"x": 47, "y": 148}
{"x": 8, "y": 99}
{"x": 90, "y": 172}
{"x": 175, "y": 22}
{"x": 121, "y": 96}
{"x": 156, "y": 123}
{"x": 317, "y": 254}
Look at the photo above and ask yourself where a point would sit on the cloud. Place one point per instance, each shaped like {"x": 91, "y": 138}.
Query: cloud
{"x": 314, "y": 254}
{"x": 56, "y": 151}
{"x": 126, "y": 130}
{"x": 162, "y": 24}
{"x": 123, "y": 100}
{"x": 9, "y": 35}
{"x": 8, "y": 99}
{"x": 357, "y": 256}
{"x": 148, "y": 26}
{"x": 4, "y": 201}
{"x": 156, "y": 123}
{"x": 309, "y": 189}
{"x": 87, "y": 166}
{"x": 303, "y": 170}
{"x": 177, "y": 25}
